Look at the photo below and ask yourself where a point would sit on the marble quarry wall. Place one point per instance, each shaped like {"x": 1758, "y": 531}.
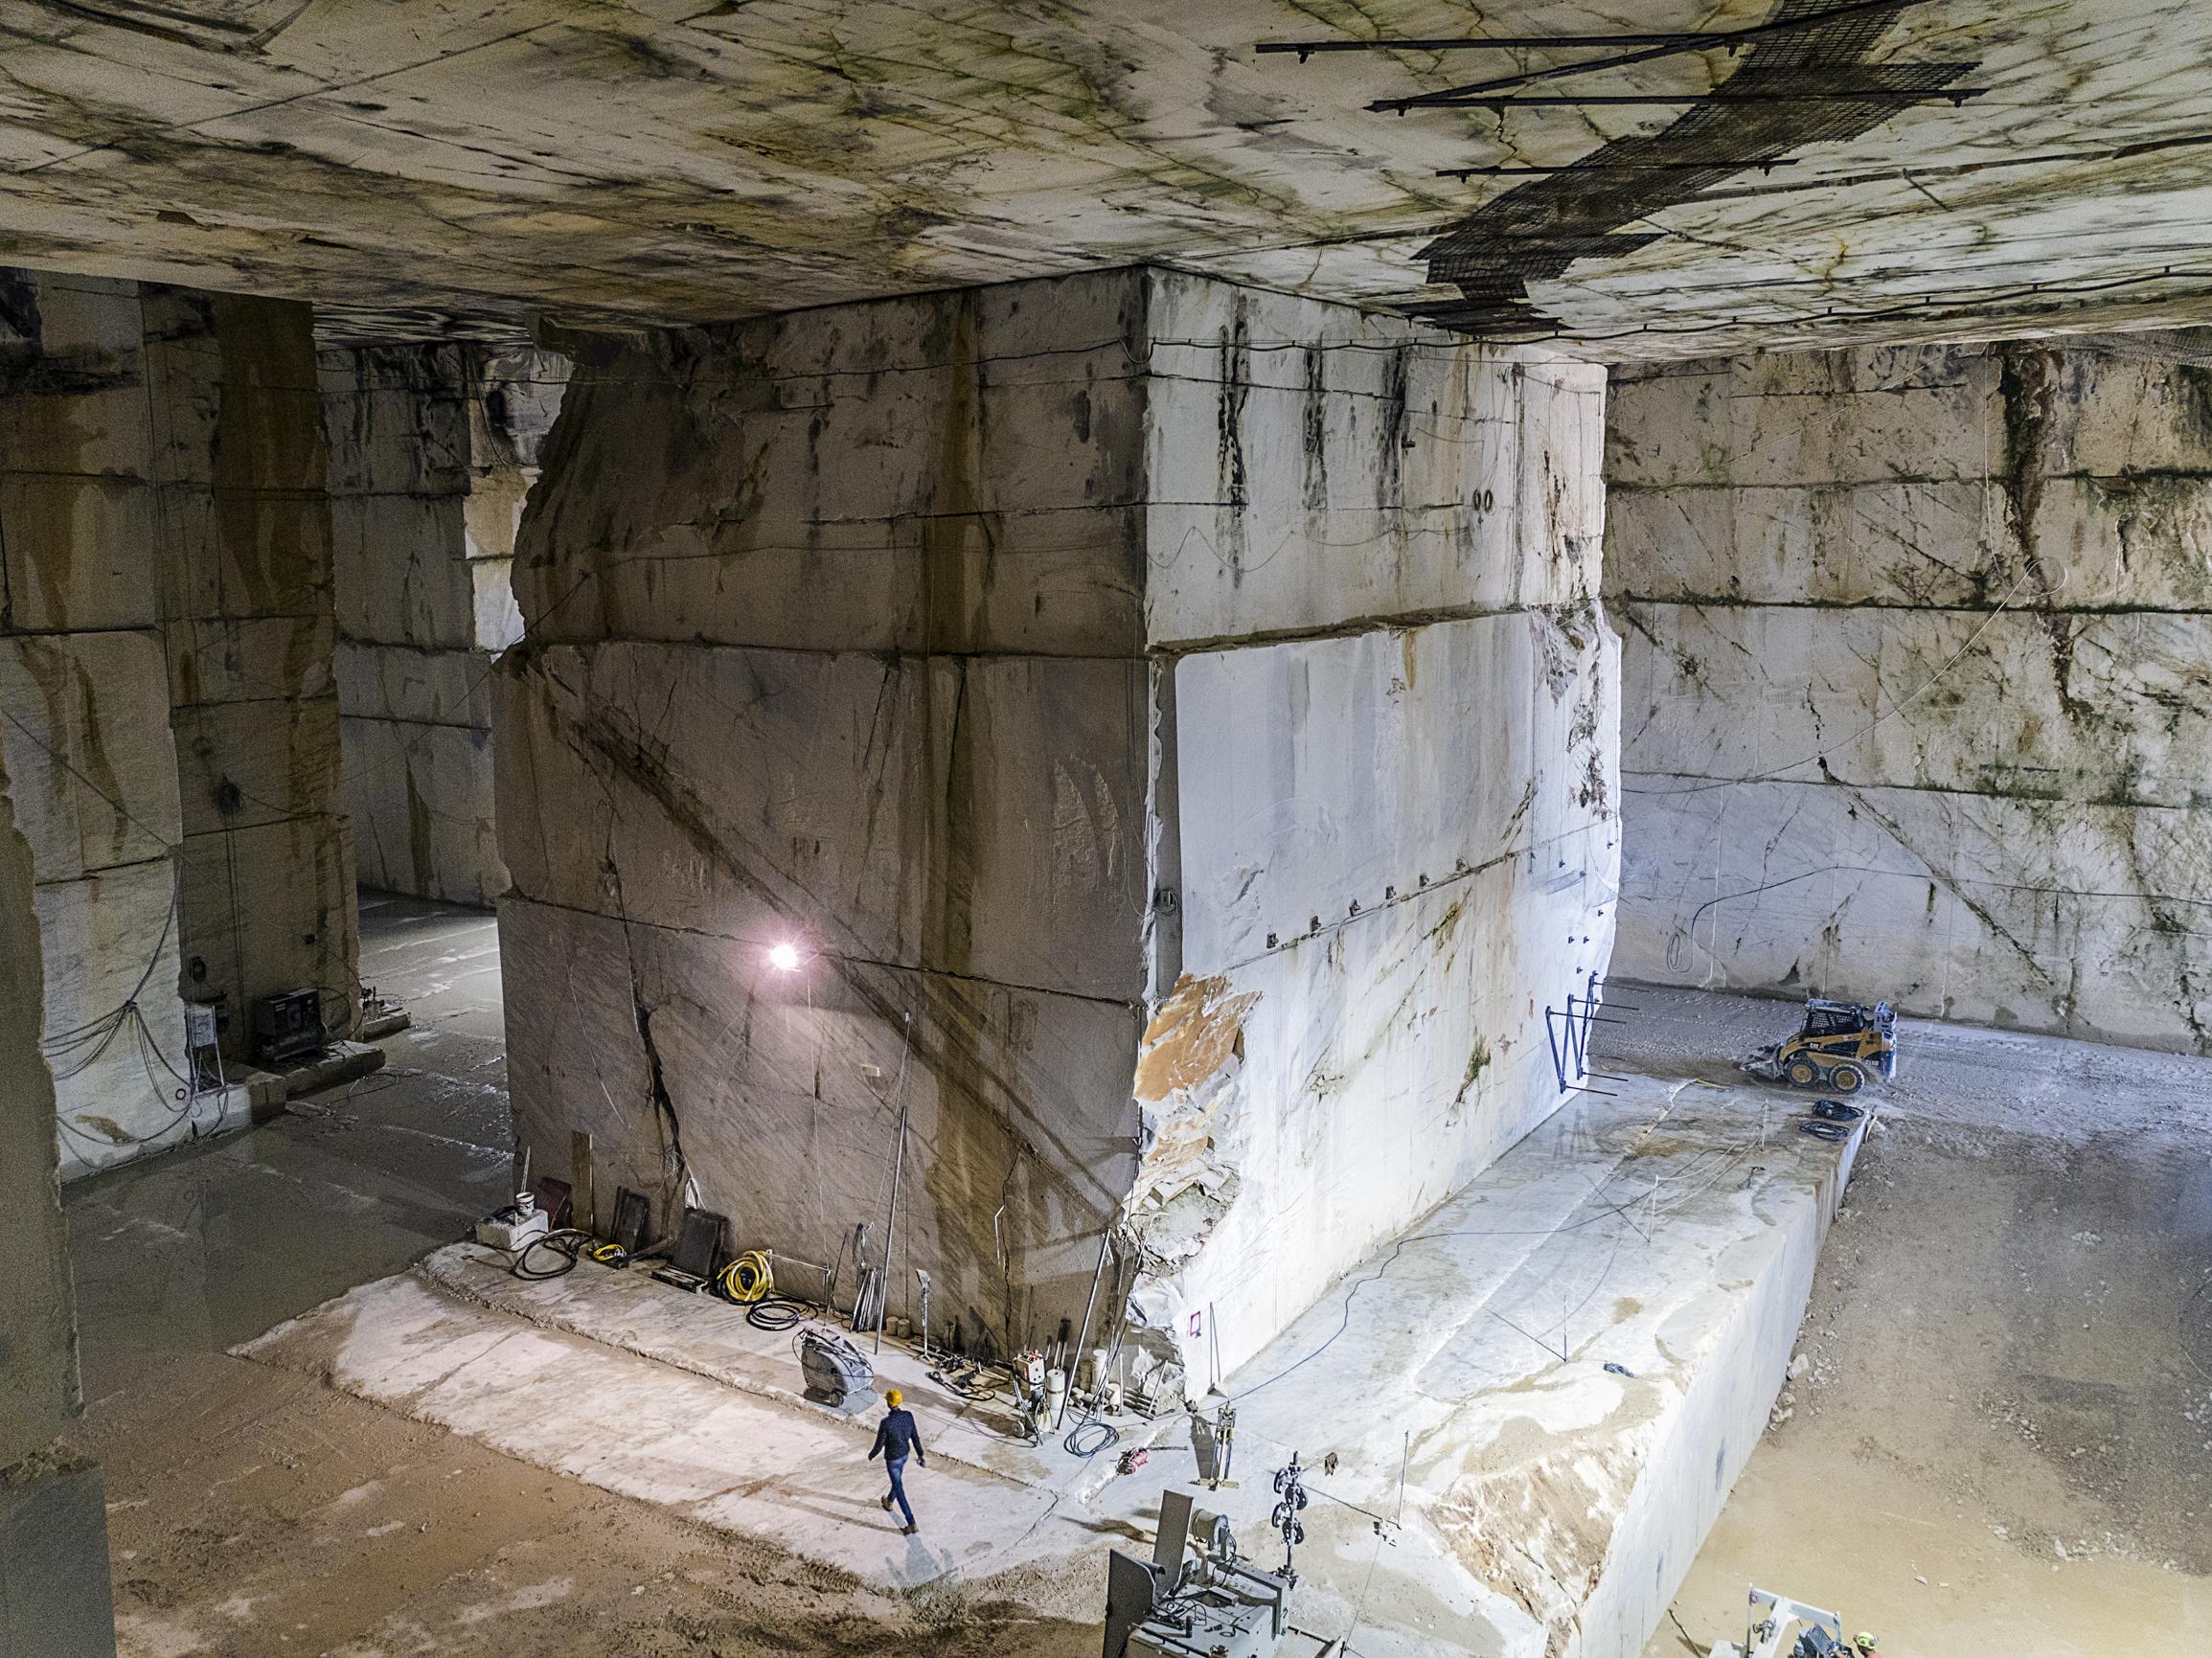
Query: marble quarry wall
{"x": 1172, "y": 723}
{"x": 432, "y": 450}
{"x": 1916, "y": 680}
{"x": 166, "y": 641}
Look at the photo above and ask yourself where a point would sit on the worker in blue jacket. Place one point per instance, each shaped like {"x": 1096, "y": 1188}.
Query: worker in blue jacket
{"x": 897, "y": 1438}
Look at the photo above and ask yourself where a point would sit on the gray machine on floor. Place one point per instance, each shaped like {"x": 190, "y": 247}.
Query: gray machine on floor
{"x": 1780, "y": 1627}
{"x": 1194, "y": 1598}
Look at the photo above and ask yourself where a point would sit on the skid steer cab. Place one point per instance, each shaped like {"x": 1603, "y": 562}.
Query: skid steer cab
{"x": 1842, "y": 1045}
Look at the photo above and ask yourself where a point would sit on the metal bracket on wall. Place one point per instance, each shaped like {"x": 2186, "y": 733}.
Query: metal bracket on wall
{"x": 1568, "y": 1031}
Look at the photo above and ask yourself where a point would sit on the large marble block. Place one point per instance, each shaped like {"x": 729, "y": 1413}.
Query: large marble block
{"x": 433, "y": 451}
{"x": 1174, "y": 724}
{"x": 115, "y": 1038}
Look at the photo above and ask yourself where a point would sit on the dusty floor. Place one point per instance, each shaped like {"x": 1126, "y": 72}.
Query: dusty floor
{"x": 254, "y": 1512}
{"x": 2011, "y": 1454}
{"x": 2002, "y": 1441}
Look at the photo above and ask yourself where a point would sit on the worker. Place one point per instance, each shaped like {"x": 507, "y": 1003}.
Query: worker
{"x": 897, "y": 1438}
{"x": 1866, "y": 1645}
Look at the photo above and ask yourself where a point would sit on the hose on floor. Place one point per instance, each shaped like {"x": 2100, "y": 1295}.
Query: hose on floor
{"x": 778, "y": 1313}
{"x": 1106, "y": 1436}
{"x": 747, "y": 1279}
{"x": 566, "y": 1246}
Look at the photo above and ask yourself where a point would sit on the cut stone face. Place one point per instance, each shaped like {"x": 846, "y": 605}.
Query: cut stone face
{"x": 1914, "y": 680}
{"x": 1174, "y": 725}
{"x": 433, "y": 448}
{"x": 172, "y": 729}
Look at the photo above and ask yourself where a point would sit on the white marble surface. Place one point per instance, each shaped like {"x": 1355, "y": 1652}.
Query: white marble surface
{"x": 804, "y": 157}
{"x": 1915, "y": 670}
{"x": 939, "y": 763}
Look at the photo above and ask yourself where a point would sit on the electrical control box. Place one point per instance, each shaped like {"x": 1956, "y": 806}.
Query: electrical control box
{"x": 202, "y": 1025}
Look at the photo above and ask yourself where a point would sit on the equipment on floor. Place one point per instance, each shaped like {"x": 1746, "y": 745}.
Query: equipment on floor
{"x": 1196, "y": 1597}
{"x": 1290, "y": 1504}
{"x": 1214, "y": 1444}
{"x": 1031, "y": 1409}
{"x": 553, "y": 1199}
{"x": 204, "y": 1023}
{"x": 288, "y": 1026}
{"x": 516, "y": 1225}
{"x": 1777, "y": 1626}
{"x": 1840, "y": 1046}
{"x": 837, "y": 1373}
{"x": 632, "y": 1227}
{"x": 703, "y": 1245}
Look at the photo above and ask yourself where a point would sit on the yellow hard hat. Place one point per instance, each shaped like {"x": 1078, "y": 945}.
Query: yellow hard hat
{"x": 895, "y": 1398}
{"x": 1864, "y": 1643}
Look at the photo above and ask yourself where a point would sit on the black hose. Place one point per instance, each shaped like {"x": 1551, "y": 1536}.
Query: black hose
{"x": 962, "y": 1385}
{"x": 777, "y": 1312}
{"x": 566, "y": 1244}
{"x": 1074, "y": 1444}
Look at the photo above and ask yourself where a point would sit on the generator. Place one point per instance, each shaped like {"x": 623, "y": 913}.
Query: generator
{"x": 1196, "y": 1597}
{"x": 288, "y": 1026}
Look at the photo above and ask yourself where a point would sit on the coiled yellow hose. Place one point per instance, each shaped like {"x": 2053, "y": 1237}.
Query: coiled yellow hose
{"x": 748, "y": 1277}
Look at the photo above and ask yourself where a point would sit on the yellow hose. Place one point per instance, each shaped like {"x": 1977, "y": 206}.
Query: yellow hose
{"x": 748, "y": 1277}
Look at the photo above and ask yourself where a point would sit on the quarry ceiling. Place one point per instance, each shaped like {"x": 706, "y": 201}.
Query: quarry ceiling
{"x": 1863, "y": 170}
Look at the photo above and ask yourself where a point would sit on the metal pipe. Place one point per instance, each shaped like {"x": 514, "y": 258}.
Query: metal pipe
{"x": 897, "y": 1165}
{"x": 1098, "y": 1383}
{"x": 1532, "y": 172}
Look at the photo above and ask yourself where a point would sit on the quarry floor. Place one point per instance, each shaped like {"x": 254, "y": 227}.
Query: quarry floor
{"x": 2050, "y": 1386}
{"x": 2002, "y": 1441}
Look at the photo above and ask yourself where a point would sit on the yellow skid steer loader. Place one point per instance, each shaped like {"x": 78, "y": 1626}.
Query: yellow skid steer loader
{"x": 1842, "y": 1045}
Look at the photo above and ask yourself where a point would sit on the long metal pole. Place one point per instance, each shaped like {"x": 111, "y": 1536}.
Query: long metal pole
{"x": 898, "y": 1163}
{"x": 1098, "y": 1383}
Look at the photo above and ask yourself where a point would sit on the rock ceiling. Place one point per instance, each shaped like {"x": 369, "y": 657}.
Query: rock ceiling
{"x": 1864, "y": 171}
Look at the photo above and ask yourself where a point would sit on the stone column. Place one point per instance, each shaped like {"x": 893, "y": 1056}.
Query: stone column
{"x": 267, "y": 890}
{"x": 432, "y": 450}
{"x": 54, "y": 1580}
{"x": 165, "y": 678}
{"x": 1045, "y": 663}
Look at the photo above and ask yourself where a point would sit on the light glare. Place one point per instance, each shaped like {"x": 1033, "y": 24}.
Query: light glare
{"x": 784, "y": 958}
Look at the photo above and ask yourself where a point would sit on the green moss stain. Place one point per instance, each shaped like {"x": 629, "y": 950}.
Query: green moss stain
{"x": 1477, "y": 1062}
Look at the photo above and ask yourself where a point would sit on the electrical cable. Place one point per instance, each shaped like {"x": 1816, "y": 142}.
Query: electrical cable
{"x": 965, "y": 1383}
{"x": 778, "y": 1313}
{"x": 569, "y": 1244}
{"x": 1074, "y": 1444}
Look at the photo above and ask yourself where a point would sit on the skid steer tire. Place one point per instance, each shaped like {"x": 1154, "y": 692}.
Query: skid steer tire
{"x": 1801, "y": 1074}
{"x": 1847, "y": 1079}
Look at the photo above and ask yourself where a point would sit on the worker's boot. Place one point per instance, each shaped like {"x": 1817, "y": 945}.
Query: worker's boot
{"x": 886, "y": 1504}
{"x": 908, "y": 1529}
